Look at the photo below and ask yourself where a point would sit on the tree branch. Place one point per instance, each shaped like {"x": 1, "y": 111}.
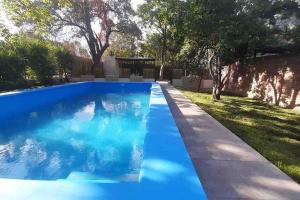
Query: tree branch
{"x": 68, "y": 22}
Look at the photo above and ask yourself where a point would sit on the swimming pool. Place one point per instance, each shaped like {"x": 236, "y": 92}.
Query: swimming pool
{"x": 95, "y": 135}
{"x": 93, "y": 140}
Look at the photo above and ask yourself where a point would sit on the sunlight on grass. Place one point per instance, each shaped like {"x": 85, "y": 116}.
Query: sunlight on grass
{"x": 272, "y": 131}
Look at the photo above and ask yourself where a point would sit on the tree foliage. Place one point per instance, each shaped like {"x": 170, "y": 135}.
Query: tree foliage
{"x": 163, "y": 18}
{"x": 155, "y": 15}
{"x": 123, "y": 45}
{"x": 151, "y": 47}
{"x": 216, "y": 33}
{"x": 94, "y": 20}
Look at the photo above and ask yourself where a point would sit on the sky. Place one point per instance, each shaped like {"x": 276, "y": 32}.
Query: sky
{"x": 5, "y": 20}
{"x": 135, "y": 3}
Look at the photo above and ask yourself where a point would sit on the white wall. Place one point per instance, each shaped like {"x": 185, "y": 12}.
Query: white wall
{"x": 191, "y": 83}
{"x": 110, "y": 66}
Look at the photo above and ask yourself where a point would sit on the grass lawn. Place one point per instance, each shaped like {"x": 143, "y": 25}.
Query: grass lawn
{"x": 271, "y": 130}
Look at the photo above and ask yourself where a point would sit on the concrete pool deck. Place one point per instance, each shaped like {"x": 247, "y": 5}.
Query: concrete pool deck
{"x": 227, "y": 167}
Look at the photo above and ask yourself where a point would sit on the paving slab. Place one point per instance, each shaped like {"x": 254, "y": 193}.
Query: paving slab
{"x": 228, "y": 167}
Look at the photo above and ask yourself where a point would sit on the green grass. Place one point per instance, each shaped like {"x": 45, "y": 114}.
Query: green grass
{"x": 273, "y": 131}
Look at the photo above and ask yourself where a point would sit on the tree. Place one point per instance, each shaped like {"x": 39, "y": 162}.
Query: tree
{"x": 155, "y": 13}
{"x": 123, "y": 45}
{"x": 212, "y": 25}
{"x": 95, "y": 20}
{"x": 191, "y": 58}
{"x": 76, "y": 49}
{"x": 231, "y": 31}
{"x": 163, "y": 17}
{"x": 151, "y": 47}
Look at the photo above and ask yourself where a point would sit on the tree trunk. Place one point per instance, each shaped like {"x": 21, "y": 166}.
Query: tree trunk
{"x": 294, "y": 96}
{"x": 96, "y": 60}
{"x": 199, "y": 84}
{"x": 161, "y": 72}
{"x": 216, "y": 93}
{"x": 67, "y": 76}
{"x": 163, "y": 54}
{"x": 273, "y": 82}
{"x": 61, "y": 74}
{"x": 94, "y": 65}
{"x": 215, "y": 71}
{"x": 276, "y": 99}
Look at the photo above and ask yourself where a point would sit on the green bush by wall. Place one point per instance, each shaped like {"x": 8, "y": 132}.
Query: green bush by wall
{"x": 24, "y": 58}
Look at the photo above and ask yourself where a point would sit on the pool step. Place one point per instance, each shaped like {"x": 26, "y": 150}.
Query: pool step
{"x": 89, "y": 177}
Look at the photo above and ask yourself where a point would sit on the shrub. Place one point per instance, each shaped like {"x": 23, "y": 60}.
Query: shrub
{"x": 23, "y": 57}
{"x": 64, "y": 62}
{"x": 41, "y": 62}
{"x": 37, "y": 54}
{"x": 12, "y": 68}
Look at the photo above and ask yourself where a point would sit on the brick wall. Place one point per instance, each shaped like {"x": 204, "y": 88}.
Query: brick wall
{"x": 275, "y": 79}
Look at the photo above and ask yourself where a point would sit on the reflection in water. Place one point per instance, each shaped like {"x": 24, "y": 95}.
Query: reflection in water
{"x": 86, "y": 113}
{"x": 94, "y": 135}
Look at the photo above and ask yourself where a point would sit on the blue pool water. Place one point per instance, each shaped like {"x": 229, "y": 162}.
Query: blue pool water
{"x": 93, "y": 135}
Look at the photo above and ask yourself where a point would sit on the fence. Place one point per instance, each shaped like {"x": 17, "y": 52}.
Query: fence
{"x": 82, "y": 66}
{"x": 144, "y": 67}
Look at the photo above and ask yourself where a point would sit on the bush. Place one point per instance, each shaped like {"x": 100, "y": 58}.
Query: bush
{"x": 37, "y": 59}
{"x": 41, "y": 62}
{"x": 38, "y": 56}
{"x": 12, "y": 68}
{"x": 64, "y": 62}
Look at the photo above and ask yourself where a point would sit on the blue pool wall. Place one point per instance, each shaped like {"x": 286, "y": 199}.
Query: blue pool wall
{"x": 12, "y": 104}
{"x": 119, "y": 87}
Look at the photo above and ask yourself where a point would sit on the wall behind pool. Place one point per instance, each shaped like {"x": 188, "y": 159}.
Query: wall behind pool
{"x": 11, "y": 104}
{"x": 22, "y": 101}
{"x": 117, "y": 87}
